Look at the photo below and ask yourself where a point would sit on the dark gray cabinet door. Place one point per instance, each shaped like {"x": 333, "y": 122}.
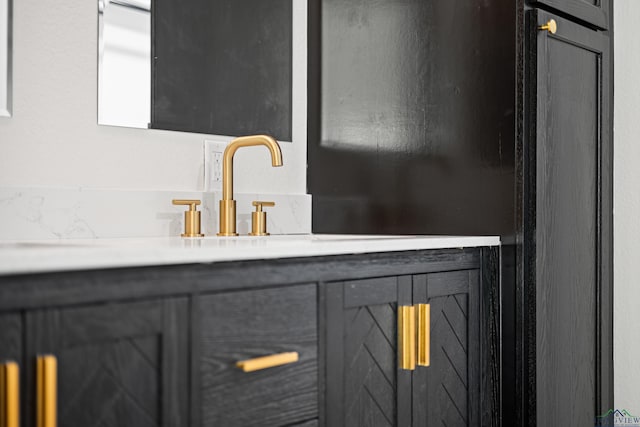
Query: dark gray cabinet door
{"x": 118, "y": 364}
{"x": 593, "y": 12}
{"x": 11, "y": 338}
{"x": 237, "y": 326}
{"x": 10, "y": 353}
{"x": 364, "y": 386}
{"x": 569, "y": 279}
{"x": 447, "y": 392}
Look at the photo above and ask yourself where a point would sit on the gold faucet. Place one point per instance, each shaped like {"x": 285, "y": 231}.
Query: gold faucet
{"x": 227, "y": 204}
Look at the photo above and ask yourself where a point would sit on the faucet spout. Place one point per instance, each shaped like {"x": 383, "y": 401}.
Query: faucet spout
{"x": 227, "y": 204}
{"x": 245, "y": 141}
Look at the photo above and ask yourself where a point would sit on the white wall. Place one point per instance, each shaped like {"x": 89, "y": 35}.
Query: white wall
{"x": 627, "y": 205}
{"x": 53, "y": 140}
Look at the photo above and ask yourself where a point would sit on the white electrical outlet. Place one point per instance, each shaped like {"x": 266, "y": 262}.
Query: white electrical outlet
{"x": 213, "y": 151}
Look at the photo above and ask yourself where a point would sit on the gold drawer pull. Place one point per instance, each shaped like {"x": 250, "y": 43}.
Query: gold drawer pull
{"x": 47, "y": 391}
{"x": 265, "y": 362}
{"x": 407, "y": 337}
{"x": 9, "y": 394}
{"x": 424, "y": 334}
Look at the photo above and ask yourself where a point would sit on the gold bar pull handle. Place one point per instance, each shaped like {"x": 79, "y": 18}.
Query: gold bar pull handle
{"x": 9, "y": 394}
{"x": 424, "y": 334}
{"x": 265, "y": 362}
{"x": 407, "y": 337}
{"x": 47, "y": 391}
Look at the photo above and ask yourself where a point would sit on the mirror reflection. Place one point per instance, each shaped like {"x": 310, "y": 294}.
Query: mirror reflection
{"x": 5, "y": 58}
{"x": 218, "y": 67}
{"x": 124, "y": 63}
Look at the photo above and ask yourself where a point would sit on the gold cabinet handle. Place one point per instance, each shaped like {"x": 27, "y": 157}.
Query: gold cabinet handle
{"x": 407, "y": 337}
{"x": 551, "y": 26}
{"x": 47, "y": 391}
{"x": 424, "y": 334}
{"x": 9, "y": 395}
{"x": 265, "y": 362}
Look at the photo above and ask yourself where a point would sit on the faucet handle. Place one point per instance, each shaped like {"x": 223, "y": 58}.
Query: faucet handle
{"x": 191, "y": 203}
{"x": 191, "y": 217}
{"x": 259, "y": 218}
{"x": 259, "y": 204}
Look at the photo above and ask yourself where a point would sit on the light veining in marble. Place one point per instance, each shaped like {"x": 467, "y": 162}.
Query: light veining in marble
{"x": 53, "y": 213}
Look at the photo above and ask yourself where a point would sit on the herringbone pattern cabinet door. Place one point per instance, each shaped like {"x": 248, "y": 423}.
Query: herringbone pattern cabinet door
{"x": 446, "y": 392}
{"x": 370, "y": 357}
{"x": 118, "y": 365}
{"x": 364, "y": 386}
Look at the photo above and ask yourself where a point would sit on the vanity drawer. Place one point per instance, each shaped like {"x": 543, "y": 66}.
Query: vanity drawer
{"x": 238, "y": 326}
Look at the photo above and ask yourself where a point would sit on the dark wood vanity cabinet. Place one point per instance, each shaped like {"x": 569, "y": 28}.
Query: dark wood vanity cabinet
{"x": 159, "y": 346}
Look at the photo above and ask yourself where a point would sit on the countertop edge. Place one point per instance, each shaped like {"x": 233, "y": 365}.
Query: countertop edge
{"x": 34, "y": 257}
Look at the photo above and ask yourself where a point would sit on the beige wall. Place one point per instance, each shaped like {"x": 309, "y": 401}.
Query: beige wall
{"x": 53, "y": 139}
{"x": 627, "y": 205}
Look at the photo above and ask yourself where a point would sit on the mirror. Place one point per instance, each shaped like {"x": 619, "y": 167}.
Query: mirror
{"x": 5, "y": 58}
{"x": 218, "y": 67}
{"x": 124, "y": 63}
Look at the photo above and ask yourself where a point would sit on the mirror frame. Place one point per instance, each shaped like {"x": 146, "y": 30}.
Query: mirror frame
{"x": 6, "y": 65}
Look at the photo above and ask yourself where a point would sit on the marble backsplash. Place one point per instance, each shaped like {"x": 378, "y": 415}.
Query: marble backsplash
{"x": 55, "y": 213}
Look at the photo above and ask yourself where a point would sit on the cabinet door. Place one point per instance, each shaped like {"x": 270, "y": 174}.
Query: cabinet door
{"x": 594, "y": 12}
{"x": 10, "y": 337}
{"x": 447, "y": 391}
{"x": 238, "y": 326}
{"x": 10, "y": 358}
{"x": 570, "y": 169}
{"x": 364, "y": 386}
{"x": 118, "y": 364}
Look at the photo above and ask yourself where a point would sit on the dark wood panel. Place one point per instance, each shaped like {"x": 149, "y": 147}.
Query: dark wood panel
{"x": 11, "y": 337}
{"x": 364, "y": 387}
{"x": 592, "y": 12}
{"x": 117, "y": 364}
{"x": 411, "y": 116}
{"x": 370, "y": 291}
{"x": 243, "y": 325}
{"x": 571, "y": 118}
{"x": 491, "y": 337}
{"x": 223, "y": 67}
{"x": 448, "y": 391}
{"x": 454, "y": 282}
{"x": 44, "y": 290}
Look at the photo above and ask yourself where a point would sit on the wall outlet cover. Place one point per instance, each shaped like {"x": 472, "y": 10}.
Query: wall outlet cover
{"x": 213, "y": 151}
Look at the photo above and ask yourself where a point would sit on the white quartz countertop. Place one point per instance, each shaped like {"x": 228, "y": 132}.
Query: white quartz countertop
{"x": 21, "y": 257}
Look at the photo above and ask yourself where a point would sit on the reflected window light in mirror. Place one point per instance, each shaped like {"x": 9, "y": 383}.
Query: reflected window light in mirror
{"x": 5, "y": 58}
{"x": 124, "y": 62}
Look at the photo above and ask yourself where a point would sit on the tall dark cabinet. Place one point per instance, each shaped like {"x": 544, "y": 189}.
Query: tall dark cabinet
{"x": 521, "y": 147}
{"x": 567, "y": 310}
